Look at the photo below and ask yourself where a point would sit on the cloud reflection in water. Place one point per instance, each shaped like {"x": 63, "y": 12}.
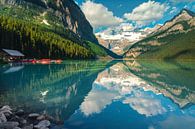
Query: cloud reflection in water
{"x": 119, "y": 85}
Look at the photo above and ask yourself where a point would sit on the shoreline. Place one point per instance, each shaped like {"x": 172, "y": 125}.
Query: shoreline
{"x": 20, "y": 119}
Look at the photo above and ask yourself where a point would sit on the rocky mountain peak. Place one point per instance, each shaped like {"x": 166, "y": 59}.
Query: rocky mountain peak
{"x": 188, "y": 12}
{"x": 184, "y": 15}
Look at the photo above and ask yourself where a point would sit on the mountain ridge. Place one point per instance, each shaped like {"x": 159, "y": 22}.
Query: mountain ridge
{"x": 178, "y": 18}
{"x": 166, "y": 42}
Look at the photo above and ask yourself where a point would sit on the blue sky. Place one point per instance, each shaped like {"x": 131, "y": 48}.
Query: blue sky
{"x": 138, "y": 13}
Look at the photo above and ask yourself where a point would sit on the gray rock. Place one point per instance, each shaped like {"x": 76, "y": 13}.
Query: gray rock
{"x": 41, "y": 117}
{"x": 43, "y": 124}
{"x": 15, "y": 118}
{"x": 44, "y": 128}
{"x": 28, "y": 127}
{"x": 20, "y": 112}
{"x": 17, "y": 128}
{"x": 33, "y": 115}
{"x": 19, "y": 119}
{"x": 8, "y": 114}
{"x": 6, "y": 108}
{"x": 8, "y": 125}
{"x": 23, "y": 121}
{"x": 2, "y": 118}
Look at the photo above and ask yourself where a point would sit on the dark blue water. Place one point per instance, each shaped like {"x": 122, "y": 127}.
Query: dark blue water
{"x": 105, "y": 95}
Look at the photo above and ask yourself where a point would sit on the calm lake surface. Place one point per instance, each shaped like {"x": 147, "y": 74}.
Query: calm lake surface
{"x": 103, "y": 94}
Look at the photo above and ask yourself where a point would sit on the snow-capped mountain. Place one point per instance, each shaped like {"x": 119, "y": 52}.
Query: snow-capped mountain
{"x": 121, "y": 37}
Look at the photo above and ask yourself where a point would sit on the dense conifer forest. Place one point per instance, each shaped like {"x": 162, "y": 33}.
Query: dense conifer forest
{"x": 36, "y": 42}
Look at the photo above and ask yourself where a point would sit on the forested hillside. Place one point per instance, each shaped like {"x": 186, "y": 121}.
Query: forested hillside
{"x": 50, "y": 29}
{"x": 36, "y": 41}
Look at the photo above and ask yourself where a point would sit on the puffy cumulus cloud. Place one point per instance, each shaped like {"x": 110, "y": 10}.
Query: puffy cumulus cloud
{"x": 147, "y": 12}
{"x": 145, "y": 104}
{"x": 97, "y": 100}
{"x": 115, "y": 30}
{"x": 98, "y": 15}
{"x": 126, "y": 26}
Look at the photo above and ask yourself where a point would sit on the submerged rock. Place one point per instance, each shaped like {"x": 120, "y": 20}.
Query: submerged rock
{"x": 8, "y": 125}
{"x": 33, "y": 115}
{"x": 2, "y": 118}
{"x": 19, "y": 119}
{"x": 20, "y": 112}
{"x": 43, "y": 124}
{"x": 44, "y": 128}
{"x": 28, "y": 127}
{"x": 41, "y": 117}
{"x": 23, "y": 121}
{"x": 6, "y": 110}
{"x": 17, "y": 128}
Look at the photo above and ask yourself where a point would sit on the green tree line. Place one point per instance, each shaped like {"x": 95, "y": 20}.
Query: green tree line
{"x": 36, "y": 42}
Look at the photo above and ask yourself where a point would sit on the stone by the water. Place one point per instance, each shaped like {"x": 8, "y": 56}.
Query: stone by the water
{"x": 22, "y": 121}
{"x": 28, "y": 127}
{"x": 19, "y": 120}
{"x": 42, "y": 124}
{"x": 33, "y": 115}
{"x": 44, "y": 128}
{"x": 17, "y": 128}
{"x": 20, "y": 112}
{"x": 41, "y": 117}
{"x": 2, "y": 118}
{"x": 6, "y": 108}
{"x": 8, "y": 125}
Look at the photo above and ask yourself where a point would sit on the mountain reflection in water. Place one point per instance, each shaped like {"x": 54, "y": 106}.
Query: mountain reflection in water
{"x": 102, "y": 94}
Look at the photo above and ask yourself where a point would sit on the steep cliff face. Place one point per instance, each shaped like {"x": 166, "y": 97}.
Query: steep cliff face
{"x": 75, "y": 20}
{"x": 60, "y": 13}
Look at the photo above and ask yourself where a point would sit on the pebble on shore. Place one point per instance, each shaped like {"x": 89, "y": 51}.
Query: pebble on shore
{"x": 10, "y": 119}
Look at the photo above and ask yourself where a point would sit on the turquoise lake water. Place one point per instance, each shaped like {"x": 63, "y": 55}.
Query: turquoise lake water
{"x": 105, "y": 94}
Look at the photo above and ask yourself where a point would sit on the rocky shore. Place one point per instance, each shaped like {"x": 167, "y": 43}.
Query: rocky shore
{"x": 19, "y": 119}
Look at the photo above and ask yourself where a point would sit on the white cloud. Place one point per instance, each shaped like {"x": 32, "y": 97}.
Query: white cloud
{"x": 147, "y": 12}
{"x": 97, "y": 100}
{"x": 121, "y": 86}
{"x": 117, "y": 29}
{"x": 98, "y": 15}
{"x": 173, "y": 10}
{"x": 145, "y": 104}
{"x": 126, "y": 27}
